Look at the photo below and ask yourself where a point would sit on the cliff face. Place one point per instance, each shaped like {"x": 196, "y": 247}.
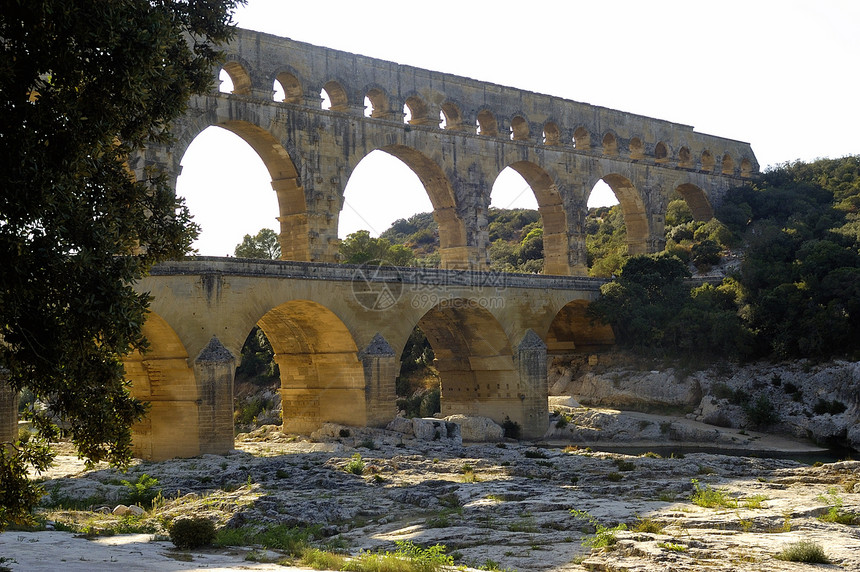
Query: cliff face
{"x": 801, "y": 399}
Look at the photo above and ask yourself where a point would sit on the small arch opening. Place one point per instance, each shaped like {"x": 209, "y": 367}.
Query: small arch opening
{"x": 450, "y": 117}
{"x": 234, "y": 79}
{"x": 287, "y": 88}
{"x": 376, "y": 104}
{"x": 415, "y": 111}
{"x": 610, "y": 144}
{"x": 519, "y": 129}
{"x": 661, "y": 153}
{"x": 487, "y": 124}
{"x": 637, "y": 149}
{"x": 685, "y": 159}
{"x": 707, "y": 161}
{"x": 334, "y": 97}
{"x": 746, "y": 168}
{"x": 728, "y": 165}
{"x": 551, "y": 134}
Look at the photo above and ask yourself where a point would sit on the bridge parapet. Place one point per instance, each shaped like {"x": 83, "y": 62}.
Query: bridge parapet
{"x": 256, "y": 61}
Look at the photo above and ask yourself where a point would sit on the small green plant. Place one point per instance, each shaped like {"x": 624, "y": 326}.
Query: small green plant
{"x": 614, "y": 477}
{"x": 141, "y": 491}
{"x": 356, "y": 465}
{"x": 535, "y": 454}
{"x": 625, "y": 465}
{"x": 652, "y": 455}
{"x": 648, "y": 525}
{"x": 804, "y": 551}
{"x": 469, "y": 475}
{"x": 711, "y": 498}
{"x": 368, "y": 444}
{"x": 604, "y": 536}
{"x": 188, "y": 533}
{"x": 834, "y": 512}
{"x": 671, "y": 546}
{"x": 754, "y": 501}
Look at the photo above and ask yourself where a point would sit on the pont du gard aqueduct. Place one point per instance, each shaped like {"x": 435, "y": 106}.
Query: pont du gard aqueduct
{"x": 338, "y": 330}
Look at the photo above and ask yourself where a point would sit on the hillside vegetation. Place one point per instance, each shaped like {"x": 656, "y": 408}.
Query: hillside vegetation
{"x": 795, "y": 294}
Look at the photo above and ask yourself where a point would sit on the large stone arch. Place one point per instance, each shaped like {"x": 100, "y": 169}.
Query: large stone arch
{"x": 283, "y": 170}
{"x": 635, "y": 212}
{"x": 322, "y": 377}
{"x": 191, "y": 403}
{"x": 697, "y": 200}
{"x": 572, "y": 330}
{"x": 478, "y": 371}
{"x": 454, "y": 247}
{"x": 556, "y": 243}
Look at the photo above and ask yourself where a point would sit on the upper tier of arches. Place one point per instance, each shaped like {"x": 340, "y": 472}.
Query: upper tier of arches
{"x": 301, "y": 73}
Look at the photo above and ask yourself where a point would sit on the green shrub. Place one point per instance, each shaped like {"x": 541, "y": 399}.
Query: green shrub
{"x": 512, "y": 429}
{"x": 804, "y": 551}
{"x": 187, "y": 533}
{"x": 711, "y": 498}
{"x": 761, "y": 412}
{"x": 141, "y": 491}
{"x": 832, "y": 407}
{"x": 355, "y": 465}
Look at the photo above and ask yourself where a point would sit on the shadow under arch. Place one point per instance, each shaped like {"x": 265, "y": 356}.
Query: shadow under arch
{"x": 322, "y": 378}
{"x": 474, "y": 360}
{"x": 285, "y": 180}
{"x": 635, "y": 215}
{"x": 554, "y": 218}
{"x": 573, "y": 331}
{"x": 454, "y": 245}
{"x": 163, "y": 377}
{"x": 697, "y": 200}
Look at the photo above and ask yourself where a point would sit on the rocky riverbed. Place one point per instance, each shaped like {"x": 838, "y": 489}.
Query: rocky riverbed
{"x": 506, "y": 505}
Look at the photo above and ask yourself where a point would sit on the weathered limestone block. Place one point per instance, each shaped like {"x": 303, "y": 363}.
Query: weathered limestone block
{"x": 478, "y": 429}
{"x": 531, "y": 365}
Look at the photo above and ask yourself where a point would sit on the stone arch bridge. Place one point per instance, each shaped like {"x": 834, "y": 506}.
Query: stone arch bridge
{"x": 338, "y": 331}
{"x": 459, "y": 135}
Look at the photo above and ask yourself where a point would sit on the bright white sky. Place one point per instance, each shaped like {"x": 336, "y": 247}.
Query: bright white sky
{"x": 779, "y": 74}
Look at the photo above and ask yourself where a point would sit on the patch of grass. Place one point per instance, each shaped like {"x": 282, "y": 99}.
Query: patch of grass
{"x": 614, "y": 477}
{"x": 804, "y": 551}
{"x": 524, "y": 524}
{"x": 604, "y": 536}
{"x": 834, "y": 512}
{"x": 652, "y": 455}
{"x": 322, "y": 559}
{"x": 469, "y": 475}
{"x": 761, "y": 412}
{"x": 711, "y": 498}
{"x": 356, "y": 465}
{"x": 292, "y": 540}
{"x": 649, "y": 525}
{"x": 409, "y": 557}
{"x": 625, "y": 465}
{"x": 754, "y": 501}
{"x": 536, "y": 454}
{"x": 671, "y": 546}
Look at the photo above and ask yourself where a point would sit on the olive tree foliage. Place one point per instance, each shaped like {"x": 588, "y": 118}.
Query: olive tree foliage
{"x": 82, "y": 85}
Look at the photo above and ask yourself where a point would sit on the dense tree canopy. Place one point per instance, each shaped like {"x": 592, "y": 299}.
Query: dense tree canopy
{"x": 262, "y": 245}
{"x": 83, "y": 84}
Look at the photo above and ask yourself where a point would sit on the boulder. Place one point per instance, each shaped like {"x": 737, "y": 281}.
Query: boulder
{"x": 478, "y": 429}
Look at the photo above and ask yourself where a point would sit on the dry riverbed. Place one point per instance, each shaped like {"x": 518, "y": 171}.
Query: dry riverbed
{"x": 498, "y": 506}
